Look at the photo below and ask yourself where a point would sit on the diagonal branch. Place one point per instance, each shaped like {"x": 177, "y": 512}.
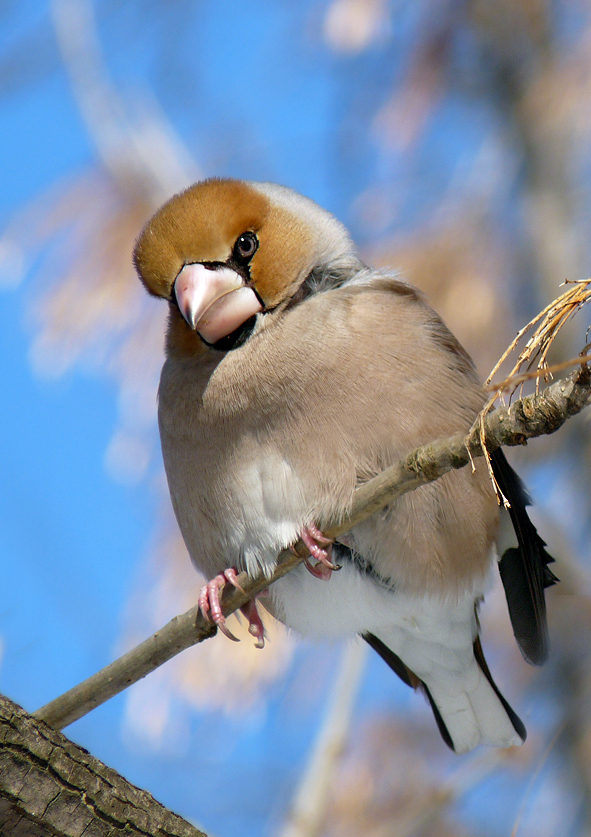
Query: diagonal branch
{"x": 535, "y": 415}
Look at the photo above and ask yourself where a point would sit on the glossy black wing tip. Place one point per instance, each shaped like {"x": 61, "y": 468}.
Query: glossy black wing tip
{"x": 528, "y": 619}
{"x": 409, "y": 677}
{"x": 545, "y": 558}
{"x": 524, "y": 570}
{"x": 548, "y": 577}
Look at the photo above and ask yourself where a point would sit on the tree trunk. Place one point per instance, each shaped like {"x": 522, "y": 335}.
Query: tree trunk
{"x": 51, "y": 787}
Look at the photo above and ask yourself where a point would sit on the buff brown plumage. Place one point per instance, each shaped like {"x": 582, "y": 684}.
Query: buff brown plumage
{"x": 293, "y": 373}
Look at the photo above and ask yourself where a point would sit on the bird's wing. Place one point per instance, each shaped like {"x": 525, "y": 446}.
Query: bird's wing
{"x": 524, "y": 568}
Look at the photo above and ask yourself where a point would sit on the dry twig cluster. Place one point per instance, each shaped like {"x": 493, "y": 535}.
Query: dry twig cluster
{"x": 549, "y": 322}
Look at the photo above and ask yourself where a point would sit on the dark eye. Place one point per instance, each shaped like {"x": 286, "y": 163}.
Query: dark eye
{"x": 245, "y": 247}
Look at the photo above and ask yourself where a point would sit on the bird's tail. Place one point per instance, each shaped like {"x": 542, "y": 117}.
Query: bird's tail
{"x": 468, "y": 707}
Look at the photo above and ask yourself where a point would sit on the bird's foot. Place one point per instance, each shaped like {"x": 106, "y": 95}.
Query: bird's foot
{"x": 320, "y": 548}
{"x": 209, "y": 600}
{"x": 209, "y": 603}
{"x": 255, "y": 624}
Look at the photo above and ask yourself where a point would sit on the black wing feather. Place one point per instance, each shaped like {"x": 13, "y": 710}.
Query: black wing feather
{"x": 524, "y": 569}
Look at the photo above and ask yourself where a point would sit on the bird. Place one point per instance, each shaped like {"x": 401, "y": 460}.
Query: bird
{"x": 294, "y": 373}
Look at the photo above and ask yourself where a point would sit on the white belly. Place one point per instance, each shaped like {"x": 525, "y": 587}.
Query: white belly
{"x": 352, "y": 603}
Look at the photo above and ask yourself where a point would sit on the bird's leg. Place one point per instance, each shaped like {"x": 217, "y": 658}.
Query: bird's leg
{"x": 320, "y": 548}
{"x": 209, "y": 600}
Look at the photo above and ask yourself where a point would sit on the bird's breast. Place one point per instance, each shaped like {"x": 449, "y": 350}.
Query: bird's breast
{"x": 237, "y": 498}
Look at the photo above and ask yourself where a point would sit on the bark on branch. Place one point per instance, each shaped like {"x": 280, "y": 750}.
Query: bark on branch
{"x": 51, "y": 787}
{"x": 535, "y": 415}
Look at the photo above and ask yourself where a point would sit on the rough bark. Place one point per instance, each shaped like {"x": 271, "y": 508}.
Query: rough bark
{"x": 51, "y": 787}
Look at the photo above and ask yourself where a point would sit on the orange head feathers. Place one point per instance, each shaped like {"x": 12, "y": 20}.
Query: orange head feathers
{"x": 224, "y": 250}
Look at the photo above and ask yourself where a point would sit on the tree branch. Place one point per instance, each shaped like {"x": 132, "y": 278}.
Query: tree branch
{"x": 535, "y": 415}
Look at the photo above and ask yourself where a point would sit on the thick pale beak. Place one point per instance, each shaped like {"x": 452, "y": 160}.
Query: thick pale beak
{"x": 215, "y": 302}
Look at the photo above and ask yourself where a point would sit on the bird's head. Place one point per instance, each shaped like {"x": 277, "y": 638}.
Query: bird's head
{"x": 225, "y": 251}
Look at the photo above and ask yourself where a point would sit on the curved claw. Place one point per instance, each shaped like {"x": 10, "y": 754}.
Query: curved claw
{"x": 315, "y": 541}
{"x": 232, "y": 576}
{"x": 227, "y": 632}
{"x": 210, "y": 606}
{"x": 209, "y": 601}
{"x": 318, "y": 570}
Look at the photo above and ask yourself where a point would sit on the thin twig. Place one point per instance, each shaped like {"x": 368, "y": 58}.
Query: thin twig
{"x": 514, "y": 380}
{"x": 535, "y": 415}
{"x": 553, "y": 317}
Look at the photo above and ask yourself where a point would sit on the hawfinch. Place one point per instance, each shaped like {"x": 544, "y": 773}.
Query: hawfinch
{"x": 294, "y": 373}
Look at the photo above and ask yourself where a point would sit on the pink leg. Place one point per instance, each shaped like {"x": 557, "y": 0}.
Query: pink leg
{"x": 316, "y": 543}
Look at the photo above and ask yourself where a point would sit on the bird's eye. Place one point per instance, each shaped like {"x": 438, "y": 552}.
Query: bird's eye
{"x": 245, "y": 247}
